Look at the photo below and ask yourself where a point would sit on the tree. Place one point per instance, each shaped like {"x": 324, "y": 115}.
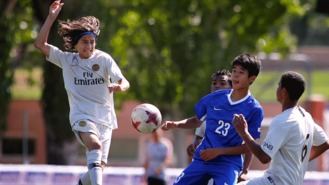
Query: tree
{"x": 312, "y": 28}
{"x": 170, "y": 48}
{"x": 16, "y": 31}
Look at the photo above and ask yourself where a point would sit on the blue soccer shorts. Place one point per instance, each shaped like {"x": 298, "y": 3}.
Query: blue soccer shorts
{"x": 200, "y": 172}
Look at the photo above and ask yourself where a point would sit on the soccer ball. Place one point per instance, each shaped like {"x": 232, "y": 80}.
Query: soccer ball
{"x": 146, "y": 118}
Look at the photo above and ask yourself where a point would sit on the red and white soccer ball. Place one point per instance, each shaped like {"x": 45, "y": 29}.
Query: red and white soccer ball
{"x": 146, "y": 118}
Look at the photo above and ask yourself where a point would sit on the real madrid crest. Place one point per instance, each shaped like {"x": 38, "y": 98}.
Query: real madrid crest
{"x": 95, "y": 67}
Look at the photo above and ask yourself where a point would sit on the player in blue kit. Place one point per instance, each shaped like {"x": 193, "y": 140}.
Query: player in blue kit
{"x": 219, "y": 154}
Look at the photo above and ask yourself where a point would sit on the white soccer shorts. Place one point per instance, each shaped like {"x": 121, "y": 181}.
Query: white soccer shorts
{"x": 104, "y": 134}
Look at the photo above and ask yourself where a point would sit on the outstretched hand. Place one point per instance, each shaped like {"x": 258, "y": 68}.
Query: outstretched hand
{"x": 167, "y": 125}
{"x": 55, "y": 8}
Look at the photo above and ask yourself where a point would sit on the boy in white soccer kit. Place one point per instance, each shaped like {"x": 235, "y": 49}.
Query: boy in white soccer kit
{"x": 291, "y": 137}
{"x": 91, "y": 109}
{"x": 90, "y": 77}
{"x": 287, "y": 143}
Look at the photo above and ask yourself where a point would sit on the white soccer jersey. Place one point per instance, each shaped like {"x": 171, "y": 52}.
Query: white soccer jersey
{"x": 86, "y": 83}
{"x": 288, "y": 142}
{"x": 201, "y": 130}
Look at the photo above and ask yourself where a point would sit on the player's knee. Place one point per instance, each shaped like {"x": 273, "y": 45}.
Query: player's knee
{"x": 95, "y": 145}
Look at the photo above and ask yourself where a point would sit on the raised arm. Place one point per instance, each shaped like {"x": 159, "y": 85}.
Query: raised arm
{"x": 241, "y": 127}
{"x": 42, "y": 38}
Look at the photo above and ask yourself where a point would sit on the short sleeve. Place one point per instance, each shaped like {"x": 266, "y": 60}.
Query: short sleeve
{"x": 201, "y": 130}
{"x": 254, "y": 123}
{"x": 56, "y": 56}
{"x": 275, "y": 138}
{"x": 114, "y": 71}
{"x": 319, "y": 136}
{"x": 201, "y": 108}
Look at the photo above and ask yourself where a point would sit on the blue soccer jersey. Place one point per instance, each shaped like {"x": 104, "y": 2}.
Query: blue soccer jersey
{"x": 219, "y": 111}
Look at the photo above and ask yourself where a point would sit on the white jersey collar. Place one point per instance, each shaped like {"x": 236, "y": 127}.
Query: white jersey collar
{"x": 239, "y": 101}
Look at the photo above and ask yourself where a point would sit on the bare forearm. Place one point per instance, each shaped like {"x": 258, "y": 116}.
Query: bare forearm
{"x": 42, "y": 37}
{"x": 318, "y": 150}
{"x": 211, "y": 153}
{"x": 235, "y": 150}
{"x": 241, "y": 126}
{"x": 247, "y": 161}
{"x": 255, "y": 148}
{"x": 192, "y": 122}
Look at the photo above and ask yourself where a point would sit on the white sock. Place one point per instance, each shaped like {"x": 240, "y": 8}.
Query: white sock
{"x": 94, "y": 167}
{"x": 85, "y": 179}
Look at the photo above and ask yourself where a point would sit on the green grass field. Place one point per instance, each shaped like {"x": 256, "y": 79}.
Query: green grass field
{"x": 263, "y": 88}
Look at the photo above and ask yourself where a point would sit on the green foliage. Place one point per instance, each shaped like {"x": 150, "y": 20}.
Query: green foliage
{"x": 312, "y": 28}
{"x": 169, "y": 48}
{"x": 15, "y": 26}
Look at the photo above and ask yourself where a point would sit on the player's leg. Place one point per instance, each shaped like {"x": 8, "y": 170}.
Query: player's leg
{"x": 195, "y": 173}
{"x": 105, "y": 137}
{"x": 84, "y": 179}
{"x": 87, "y": 133}
{"x": 94, "y": 157}
{"x": 224, "y": 174}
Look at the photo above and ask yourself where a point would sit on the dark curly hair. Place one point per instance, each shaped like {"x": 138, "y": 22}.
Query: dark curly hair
{"x": 222, "y": 72}
{"x": 70, "y": 30}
